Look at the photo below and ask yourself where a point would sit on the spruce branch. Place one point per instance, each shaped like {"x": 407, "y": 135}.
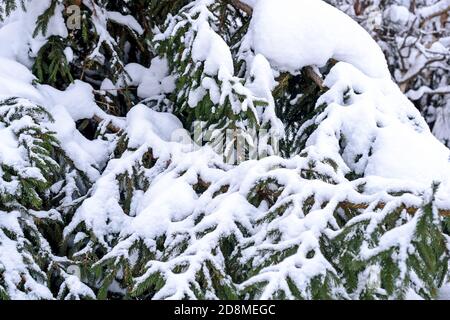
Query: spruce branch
{"x": 110, "y": 126}
{"x": 436, "y": 10}
{"x": 314, "y": 76}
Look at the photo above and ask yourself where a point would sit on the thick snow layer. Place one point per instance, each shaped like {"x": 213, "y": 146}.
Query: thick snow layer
{"x": 397, "y": 145}
{"x": 385, "y": 134}
{"x": 293, "y": 34}
{"x": 146, "y": 128}
{"x": 143, "y": 122}
{"x": 77, "y": 102}
{"x": 399, "y": 14}
{"x": 66, "y": 107}
{"x": 9, "y": 153}
{"x": 370, "y": 128}
{"x": 77, "y": 99}
{"x": 128, "y": 21}
{"x": 150, "y": 82}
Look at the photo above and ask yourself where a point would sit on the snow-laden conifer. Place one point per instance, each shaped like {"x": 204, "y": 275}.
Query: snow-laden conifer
{"x": 338, "y": 190}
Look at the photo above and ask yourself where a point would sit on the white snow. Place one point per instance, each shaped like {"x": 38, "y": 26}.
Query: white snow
{"x": 15, "y": 81}
{"x": 430, "y": 11}
{"x": 442, "y": 126}
{"x": 144, "y": 122}
{"x": 381, "y": 126}
{"x": 399, "y": 14}
{"x": 150, "y": 82}
{"x": 293, "y": 34}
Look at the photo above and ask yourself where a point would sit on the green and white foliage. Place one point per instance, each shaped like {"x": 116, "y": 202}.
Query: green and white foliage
{"x": 87, "y": 40}
{"x": 105, "y": 195}
{"x": 414, "y": 36}
{"x": 312, "y": 227}
{"x": 30, "y": 229}
{"x": 196, "y": 43}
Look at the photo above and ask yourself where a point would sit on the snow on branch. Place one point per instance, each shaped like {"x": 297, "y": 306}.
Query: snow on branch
{"x": 435, "y": 10}
{"x": 242, "y": 6}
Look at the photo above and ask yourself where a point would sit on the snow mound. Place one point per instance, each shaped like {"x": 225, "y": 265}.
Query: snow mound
{"x": 385, "y": 135}
{"x": 310, "y": 32}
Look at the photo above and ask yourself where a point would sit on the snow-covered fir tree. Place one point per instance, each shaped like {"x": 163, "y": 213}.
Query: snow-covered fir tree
{"x": 414, "y": 35}
{"x": 224, "y": 149}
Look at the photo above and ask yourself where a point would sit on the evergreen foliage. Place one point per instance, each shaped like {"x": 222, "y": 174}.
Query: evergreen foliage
{"x": 30, "y": 230}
